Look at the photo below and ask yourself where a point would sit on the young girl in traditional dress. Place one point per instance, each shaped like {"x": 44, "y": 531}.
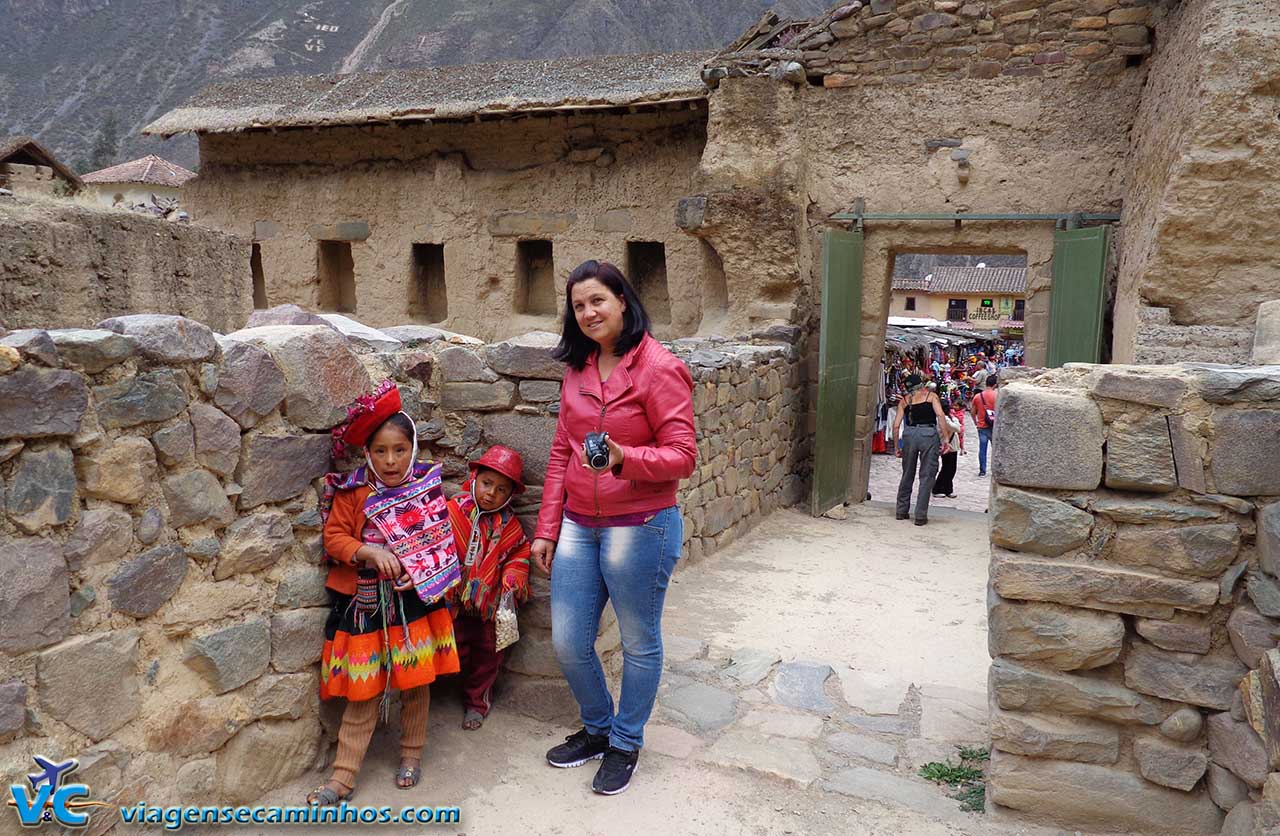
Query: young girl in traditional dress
{"x": 495, "y": 563}
{"x": 386, "y": 532}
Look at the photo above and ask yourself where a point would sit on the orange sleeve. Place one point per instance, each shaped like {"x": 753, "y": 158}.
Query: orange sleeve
{"x": 341, "y": 535}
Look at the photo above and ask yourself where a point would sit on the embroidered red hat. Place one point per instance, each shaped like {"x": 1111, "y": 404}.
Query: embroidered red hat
{"x": 365, "y": 415}
{"x": 503, "y": 460}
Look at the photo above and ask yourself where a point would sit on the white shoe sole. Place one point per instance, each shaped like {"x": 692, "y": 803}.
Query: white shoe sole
{"x": 621, "y": 789}
{"x": 574, "y": 763}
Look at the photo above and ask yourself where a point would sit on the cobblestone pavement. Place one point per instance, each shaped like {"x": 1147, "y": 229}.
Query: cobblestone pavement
{"x": 971, "y": 492}
{"x": 810, "y": 669}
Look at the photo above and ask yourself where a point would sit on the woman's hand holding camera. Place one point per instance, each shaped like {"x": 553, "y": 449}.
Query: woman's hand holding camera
{"x": 615, "y": 454}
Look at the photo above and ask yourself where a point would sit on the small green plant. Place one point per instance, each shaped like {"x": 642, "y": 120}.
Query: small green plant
{"x": 965, "y": 777}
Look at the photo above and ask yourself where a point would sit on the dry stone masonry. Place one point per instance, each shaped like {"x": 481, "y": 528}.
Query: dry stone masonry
{"x": 159, "y": 531}
{"x": 1134, "y": 605}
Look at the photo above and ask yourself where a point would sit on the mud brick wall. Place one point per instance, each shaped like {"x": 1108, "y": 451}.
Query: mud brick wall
{"x": 1134, "y": 603}
{"x": 162, "y": 613}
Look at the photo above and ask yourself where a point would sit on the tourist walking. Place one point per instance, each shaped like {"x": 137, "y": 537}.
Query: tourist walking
{"x": 953, "y": 441}
{"x": 387, "y": 537}
{"x": 984, "y": 417}
{"x": 609, "y": 528}
{"x": 921, "y": 411}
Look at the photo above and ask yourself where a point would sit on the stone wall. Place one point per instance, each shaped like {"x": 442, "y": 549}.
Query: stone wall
{"x": 1199, "y": 211}
{"x": 895, "y": 42}
{"x": 63, "y": 265}
{"x": 1134, "y": 530}
{"x": 588, "y": 184}
{"x": 163, "y": 613}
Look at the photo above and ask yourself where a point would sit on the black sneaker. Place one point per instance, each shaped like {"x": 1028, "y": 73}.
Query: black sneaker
{"x": 578, "y": 748}
{"x": 614, "y": 774}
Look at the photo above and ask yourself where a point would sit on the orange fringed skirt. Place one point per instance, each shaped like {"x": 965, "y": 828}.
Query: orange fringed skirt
{"x": 359, "y": 653}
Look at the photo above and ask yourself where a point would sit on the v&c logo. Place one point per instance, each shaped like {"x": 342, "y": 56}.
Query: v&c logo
{"x": 50, "y": 799}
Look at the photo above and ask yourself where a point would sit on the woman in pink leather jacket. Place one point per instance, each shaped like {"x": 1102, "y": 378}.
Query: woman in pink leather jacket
{"x": 613, "y": 534}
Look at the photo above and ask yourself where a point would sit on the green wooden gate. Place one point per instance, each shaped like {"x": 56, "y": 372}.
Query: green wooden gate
{"x": 1076, "y": 304}
{"x": 838, "y": 343}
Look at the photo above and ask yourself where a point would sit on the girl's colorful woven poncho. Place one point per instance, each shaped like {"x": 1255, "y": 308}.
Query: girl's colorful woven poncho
{"x": 414, "y": 521}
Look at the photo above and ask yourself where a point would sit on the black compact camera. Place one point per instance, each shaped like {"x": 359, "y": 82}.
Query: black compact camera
{"x": 597, "y": 451}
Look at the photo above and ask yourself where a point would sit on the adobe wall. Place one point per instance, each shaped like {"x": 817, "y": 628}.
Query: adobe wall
{"x": 1134, "y": 603}
{"x": 164, "y": 605}
{"x": 64, "y": 265}
{"x": 1200, "y": 211}
{"x": 587, "y": 183}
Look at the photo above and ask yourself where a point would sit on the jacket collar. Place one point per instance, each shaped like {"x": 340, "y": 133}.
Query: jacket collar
{"x": 619, "y": 381}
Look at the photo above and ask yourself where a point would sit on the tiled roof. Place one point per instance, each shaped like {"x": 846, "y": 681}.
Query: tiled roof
{"x": 1003, "y": 280}
{"x": 439, "y": 93}
{"x": 151, "y": 170}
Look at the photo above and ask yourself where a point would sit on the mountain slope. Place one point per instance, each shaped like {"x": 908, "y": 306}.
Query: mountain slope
{"x": 66, "y": 66}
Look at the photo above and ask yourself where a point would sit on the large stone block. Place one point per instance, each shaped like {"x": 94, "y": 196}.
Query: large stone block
{"x": 1226, "y": 385}
{"x": 122, "y": 471}
{"x": 1264, "y": 591}
{"x": 276, "y": 468}
{"x": 462, "y": 365}
{"x": 1209, "y": 681}
{"x": 1093, "y": 797}
{"x": 1269, "y": 538}
{"x": 144, "y": 584}
{"x": 1252, "y": 634}
{"x": 250, "y": 383}
{"x": 286, "y": 314}
{"x": 303, "y": 586}
{"x": 42, "y": 490}
{"x": 285, "y": 696}
{"x": 1235, "y": 746}
{"x": 232, "y": 656}
{"x": 530, "y": 222}
{"x": 164, "y": 338}
{"x": 217, "y": 439}
{"x": 1065, "y": 638}
{"x": 175, "y": 445}
{"x": 1140, "y": 457}
{"x": 1202, "y": 551}
{"x": 147, "y": 398}
{"x": 1098, "y": 587}
{"x": 1266, "y": 334}
{"x": 1140, "y": 386}
{"x": 35, "y": 598}
{"x": 244, "y": 775}
{"x": 104, "y": 535}
{"x": 34, "y": 345}
{"x": 1183, "y": 633}
{"x": 1028, "y": 522}
{"x": 361, "y": 336}
{"x": 202, "y": 603}
{"x": 1244, "y": 457}
{"x": 1170, "y": 764}
{"x": 1059, "y": 737}
{"x": 13, "y": 709}
{"x": 1019, "y": 687}
{"x": 90, "y": 682}
{"x": 297, "y": 637}
{"x": 1047, "y": 439}
{"x": 478, "y": 397}
{"x": 253, "y": 543}
{"x": 529, "y": 435}
{"x": 322, "y": 373}
{"x": 526, "y": 356}
{"x": 195, "y": 727}
{"x": 194, "y": 497}
{"x": 92, "y": 349}
{"x": 35, "y": 403}
{"x": 1225, "y": 788}
{"x": 1144, "y": 511}
{"x": 1261, "y": 699}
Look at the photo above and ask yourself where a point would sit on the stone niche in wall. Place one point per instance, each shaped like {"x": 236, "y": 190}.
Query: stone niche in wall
{"x": 1134, "y": 603}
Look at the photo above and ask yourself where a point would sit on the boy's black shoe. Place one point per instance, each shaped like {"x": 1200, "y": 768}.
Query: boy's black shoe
{"x": 578, "y": 748}
{"x": 614, "y": 774}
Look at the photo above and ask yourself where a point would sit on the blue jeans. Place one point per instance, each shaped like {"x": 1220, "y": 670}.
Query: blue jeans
{"x": 631, "y": 566}
{"x": 984, "y": 438}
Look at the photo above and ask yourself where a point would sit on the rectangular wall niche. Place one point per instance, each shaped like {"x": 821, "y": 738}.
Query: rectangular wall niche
{"x": 647, "y": 270}
{"x": 259, "y": 280}
{"x": 337, "y": 274}
{"x": 427, "y": 297}
{"x": 535, "y": 278}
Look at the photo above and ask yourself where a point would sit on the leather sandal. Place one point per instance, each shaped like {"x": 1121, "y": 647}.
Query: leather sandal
{"x": 326, "y": 796}
{"x": 412, "y": 774}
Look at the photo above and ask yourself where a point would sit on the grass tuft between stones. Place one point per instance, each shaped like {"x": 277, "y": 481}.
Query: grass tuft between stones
{"x": 965, "y": 777}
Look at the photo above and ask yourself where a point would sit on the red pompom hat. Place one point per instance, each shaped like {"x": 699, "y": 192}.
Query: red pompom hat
{"x": 365, "y": 416}
{"x": 502, "y": 460}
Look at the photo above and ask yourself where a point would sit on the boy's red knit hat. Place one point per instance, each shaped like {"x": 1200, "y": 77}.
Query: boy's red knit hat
{"x": 365, "y": 415}
{"x": 502, "y": 460}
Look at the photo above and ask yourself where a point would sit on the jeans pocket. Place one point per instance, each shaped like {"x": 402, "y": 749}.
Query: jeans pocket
{"x": 659, "y": 522}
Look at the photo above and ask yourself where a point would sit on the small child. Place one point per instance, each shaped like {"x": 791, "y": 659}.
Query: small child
{"x": 494, "y": 554}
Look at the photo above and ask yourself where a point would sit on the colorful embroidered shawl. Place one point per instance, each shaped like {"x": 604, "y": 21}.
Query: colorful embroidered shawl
{"x": 502, "y": 556}
{"x": 414, "y": 521}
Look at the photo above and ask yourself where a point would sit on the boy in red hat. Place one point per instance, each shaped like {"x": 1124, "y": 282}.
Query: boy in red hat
{"x": 494, "y": 554}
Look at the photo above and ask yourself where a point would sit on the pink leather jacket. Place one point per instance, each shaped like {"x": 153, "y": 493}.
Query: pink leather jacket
{"x": 646, "y": 406}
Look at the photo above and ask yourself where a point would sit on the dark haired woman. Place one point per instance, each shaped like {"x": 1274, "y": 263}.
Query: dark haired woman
{"x": 925, "y": 427}
{"x": 615, "y": 533}
{"x": 387, "y": 536}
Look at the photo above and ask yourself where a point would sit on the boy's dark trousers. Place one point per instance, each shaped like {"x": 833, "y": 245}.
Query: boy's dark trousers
{"x": 478, "y": 660}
